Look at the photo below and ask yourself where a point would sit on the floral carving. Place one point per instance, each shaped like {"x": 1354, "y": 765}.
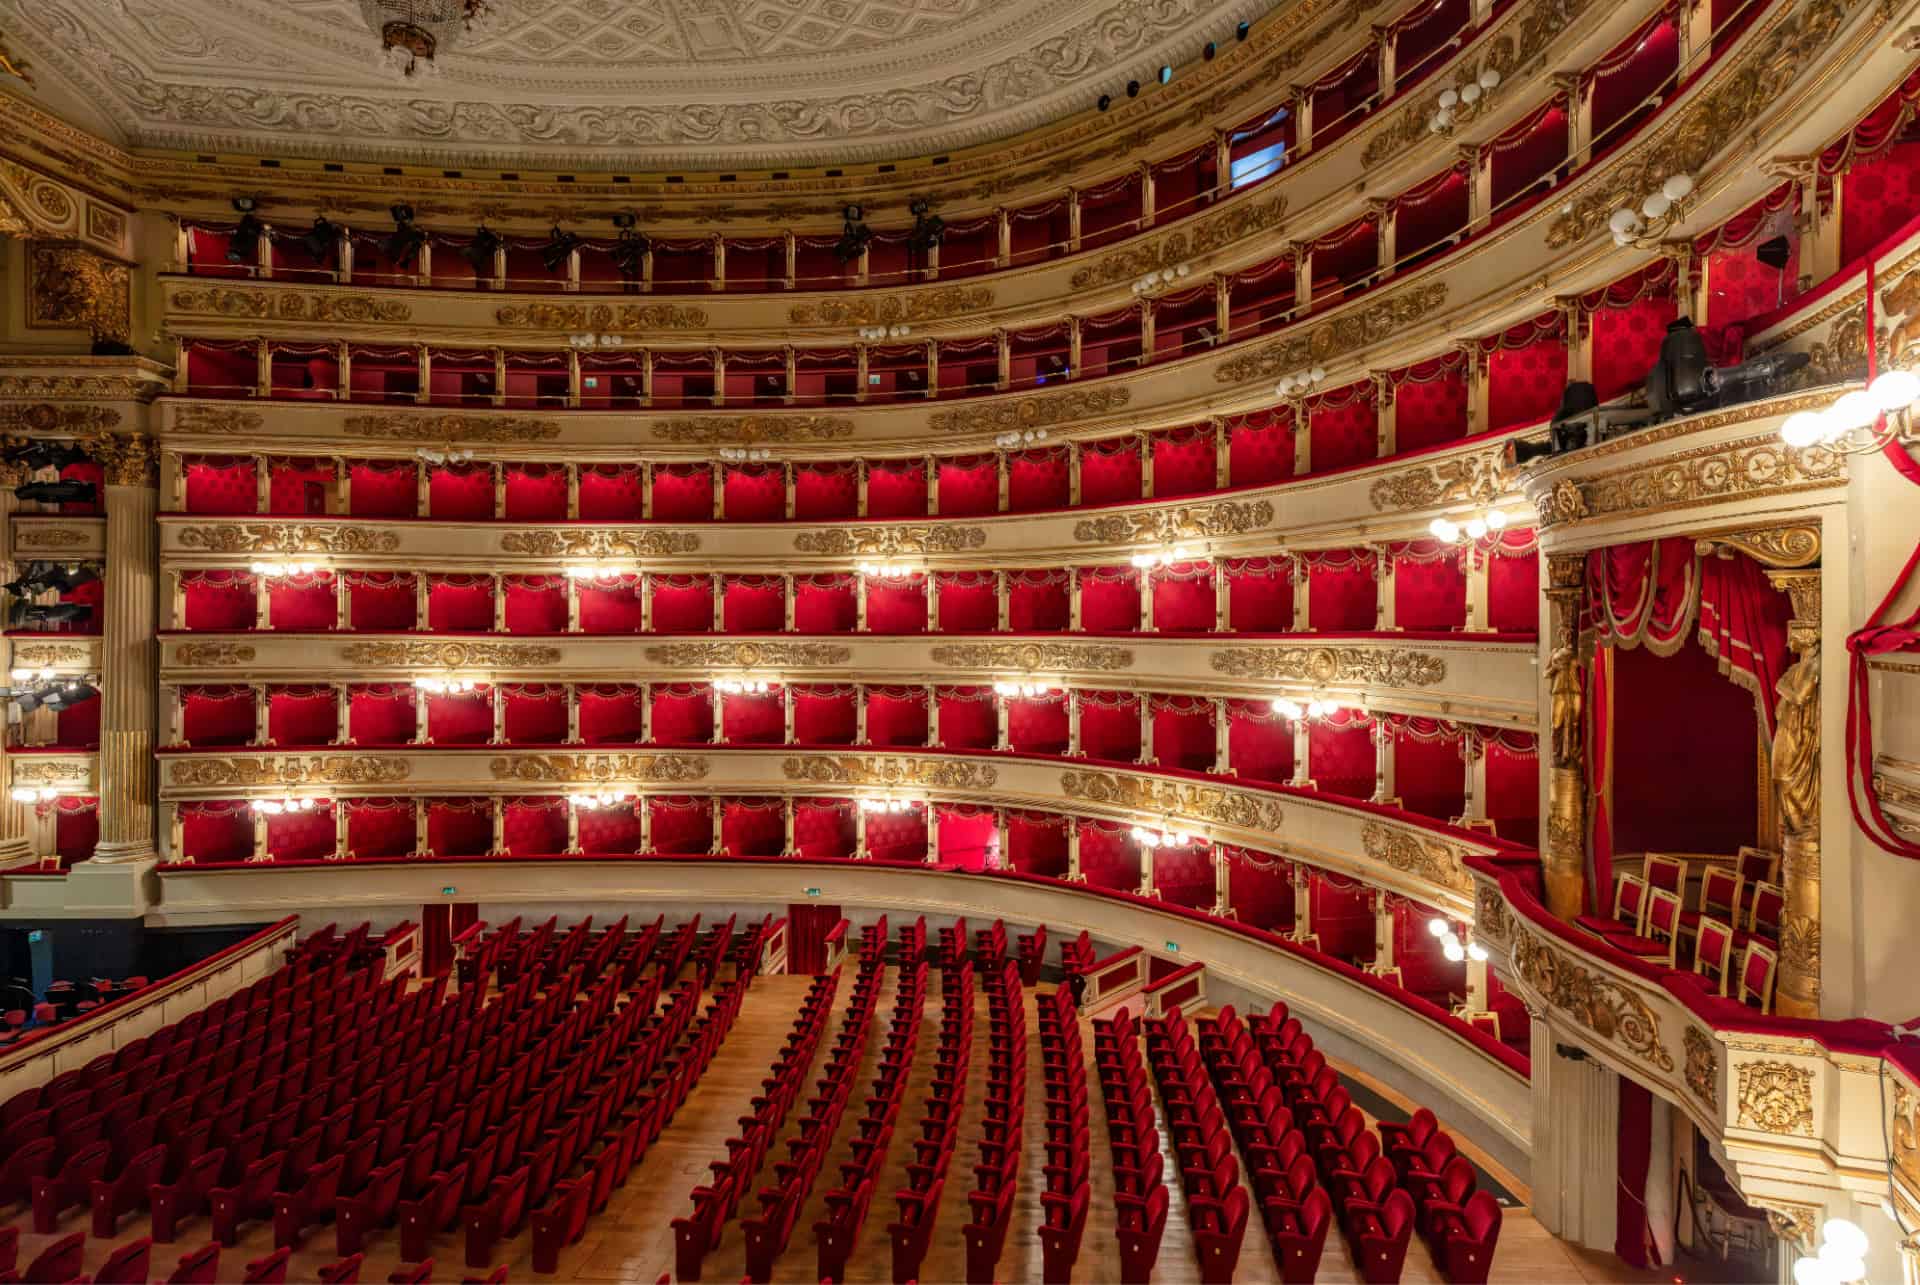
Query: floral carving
{"x": 602, "y": 316}
{"x": 715, "y": 430}
{"x": 1188, "y": 522}
{"x": 52, "y": 771}
{"x": 1336, "y": 337}
{"x": 1703, "y": 1067}
{"x": 1204, "y": 237}
{"x": 1491, "y": 918}
{"x": 453, "y": 655}
{"x": 127, "y": 459}
{"x": 215, "y": 419}
{"x": 1702, "y": 475}
{"x": 927, "y": 305}
{"x": 1420, "y": 855}
{"x": 1031, "y": 657}
{"x": 559, "y": 768}
{"x": 1775, "y": 1097}
{"x": 292, "y": 769}
{"x": 1030, "y": 412}
{"x": 212, "y": 653}
{"x": 453, "y": 428}
{"x": 287, "y": 305}
{"x": 749, "y": 654}
{"x": 853, "y": 769}
{"x": 50, "y": 537}
{"x": 47, "y": 417}
{"x": 288, "y": 537}
{"x": 889, "y": 542}
{"x": 1611, "y": 1010}
{"x": 1365, "y": 666}
{"x": 1237, "y": 808}
{"x": 72, "y": 288}
{"x": 1471, "y": 479}
{"x": 38, "y": 655}
{"x": 599, "y": 544}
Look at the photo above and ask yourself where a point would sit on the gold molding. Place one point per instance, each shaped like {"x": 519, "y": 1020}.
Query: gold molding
{"x": 624, "y": 543}
{"x": 719, "y": 429}
{"x": 267, "y": 769}
{"x": 1376, "y": 667}
{"x": 1214, "y": 232}
{"x": 47, "y": 417}
{"x": 1703, "y": 1067}
{"x": 599, "y": 768}
{"x": 1031, "y": 657}
{"x": 198, "y": 418}
{"x": 1795, "y": 1224}
{"x": 44, "y": 654}
{"x": 212, "y": 653}
{"x": 1610, "y": 1009}
{"x": 601, "y": 316}
{"x": 1774, "y": 1097}
{"x": 1199, "y": 802}
{"x": 43, "y": 771}
{"x": 50, "y": 537}
{"x": 1372, "y": 324}
{"x": 255, "y": 304}
{"x": 1491, "y": 918}
{"x": 748, "y": 655}
{"x": 452, "y": 428}
{"x": 926, "y": 305}
{"x": 1188, "y": 522}
{"x": 889, "y": 541}
{"x": 1480, "y": 478}
{"x": 70, "y": 287}
{"x": 1421, "y": 855}
{"x": 1759, "y": 465}
{"x": 857, "y": 769}
{"x": 452, "y": 655}
{"x": 127, "y": 459}
{"x": 1795, "y": 545}
{"x": 288, "y": 537}
{"x": 1031, "y": 412}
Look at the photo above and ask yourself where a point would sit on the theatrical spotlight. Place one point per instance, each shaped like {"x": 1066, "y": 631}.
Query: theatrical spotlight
{"x": 53, "y": 613}
{"x": 39, "y": 455}
{"x": 1685, "y": 381}
{"x": 558, "y": 249}
{"x": 854, "y": 235}
{"x": 56, "y": 492}
{"x": 928, "y": 228}
{"x": 40, "y": 577}
{"x": 630, "y": 251}
{"x": 403, "y": 244}
{"x": 481, "y": 251}
{"x": 322, "y": 241}
{"x": 245, "y": 244}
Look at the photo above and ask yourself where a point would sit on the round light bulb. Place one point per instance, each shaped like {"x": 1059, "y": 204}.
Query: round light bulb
{"x": 1443, "y": 530}
{"x": 1470, "y": 95}
{"x": 1490, "y": 78}
{"x": 1677, "y": 188}
{"x": 1448, "y": 99}
{"x": 1476, "y": 528}
{"x": 1811, "y": 1271}
{"x": 1622, "y": 221}
{"x": 1895, "y": 390}
{"x": 1436, "y": 927}
{"x": 1856, "y": 409}
{"x": 1476, "y": 952}
{"x": 1656, "y": 205}
{"x": 1803, "y": 429}
{"x": 1844, "y": 1236}
{"x": 1453, "y": 952}
{"x": 1317, "y": 374}
{"x": 1436, "y": 125}
{"x": 1497, "y": 520}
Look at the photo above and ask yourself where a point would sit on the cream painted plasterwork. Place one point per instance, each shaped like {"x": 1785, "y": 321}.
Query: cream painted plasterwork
{"x": 580, "y": 82}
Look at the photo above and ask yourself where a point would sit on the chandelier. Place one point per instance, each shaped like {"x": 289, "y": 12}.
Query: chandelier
{"x": 412, "y": 32}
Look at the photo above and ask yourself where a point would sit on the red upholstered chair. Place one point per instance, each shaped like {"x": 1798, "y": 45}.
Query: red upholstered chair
{"x": 1713, "y": 951}
{"x": 59, "y": 1261}
{"x": 1629, "y": 910}
{"x": 270, "y": 1270}
{"x": 1378, "y": 1239}
{"x": 345, "y": 1271}
{"x": 1758, "y": 965}
{"x": 1139, "y": 1232}
{"x": 71, "y": 1185}
{"x": 1298, "y": 1238}
{"x": 1218, "y": 1243}
{"x": 201, "y": 1267}
{"x": 126, "y": 1191}
{"x": 1463, "y": 1243}
{"x": 1661, "y": 940}
{"x": 127, "y": 1265}
{"x": 1438, "y": 1197}
{"x": 1720, "y": 889}
{"x": 1410, "y": 1136}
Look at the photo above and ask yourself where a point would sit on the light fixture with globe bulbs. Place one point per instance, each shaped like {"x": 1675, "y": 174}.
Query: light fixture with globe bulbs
{"x": 286, "y": 805}
{"x": 280, "y": 570}
{"x": 1453, "y": 947}
{"x": 895, "y": 331}
{"x": 1477, "y": 527}
{"x": 1150, "y": 837}
{"x": 1028, "y": 690}
{"x": 1461, "y": 103}
{"x": 1861, "y": 421}
{"x": 1840, "y": 1258}
{"x": 448, "y": 686}
{"x": 1293, "y": 709}
{"x": 1301, "y": 382}
{"x": 742, "y": 686}
{"x": 887, "y": 570}
{"x": 413, "y": 33}
{"x": 887, "y": 805}
{"x": 1020, "y": 437}
{"x": 1658, "y": 213}
{"x": 595, "y": 800}
{"x": 29, "y": 794}
{"x": 1162, "y": 557}
{"x": 1160, "y": 279}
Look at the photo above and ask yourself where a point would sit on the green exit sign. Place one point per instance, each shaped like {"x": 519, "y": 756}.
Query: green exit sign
{"x": 811, "y": 892}
{"x": 1173, "y": 948}
{"x": 448, "y": 891}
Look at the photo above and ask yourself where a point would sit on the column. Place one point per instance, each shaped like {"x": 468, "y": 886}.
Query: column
{"x": 1479, "y": 565}
{"x": 1146, "y": 342}
{"x": 789, "y": 601}
{"x": 859, "y": 713}
{"x": 422, "y": 489}
{"x": 259, "y": 837}
{"x": 1073, "y": 851}
{"x": 500, "y": 385}
{"x": 1222, "y": 746}
{"x": 1146, "y": 195}
{"x": 646, "y": 824}
{"x": 859, "y": 832}
{"x": 1302, "y": 276}
{"x": 1222, "y": 308}
{"x": 1146, "y": 600}
{"x": 646, "y": 603}
{"x": 1302, "y": 903}
{"x": 1478, "y": 162}
{"x": 426, "y": 375}
{"x": 573, "y": 714}
{"x": 714, "y": 845}
{"x": 1073, "y": 599}
{"x": 499, "y": 603}
{"x": 1003, "y": 238}
{"x": 342, "y": 602}
{"x": 1147, "y": 758}
{"x": 419, "y": 825}
{"x": 1382, "y": 934}
{"x": 1383, "y": 784}
{"x": 860, "y": 484}
{"x": 1302, "y": 436}
{"x": 261, "y": 612}
{"x": 1075, "y": 346}
{"x": 1146, "y": 888}
{"x": 1302, "y": 617}
{"x": 719, "y": 595}
{"x": 342, "y": 715}
{"x": 573, "y": 828}
{"x": 1576, "y": 1133}
{"x": 1000, "y": 719}
{"x": 1302, "y": 747}
{"x": 1386, "y": 428}
{"x": 573, "y": 492}
{"x": 1222, "y": 601}
{"x": 1473, "y": 750}
{"x": 1579, "y": 115}
{"x": 1146, "y": 466}
{"x": 1796, "y": 778}
{"x": 1073, "y": 221}
{"x": 1302, "y": 104}
{"x": 128, "y": 678}
{"x": 793, "y": 268}
{"x": 497, "y": 813}
{"x": 1384, "y": 240}
{"x": 860, "y": 358}
{"x": 499, "y": 473}
{"x": 1563, "y": 858}
{"x": 1819, "y": 214}
{"x": 1222, "y": 883}
{"x": 1073, "y": 722}
{"x": 1383, "y": 53}
{"x": 340, "y": 852}
{"x": 496, "y": 701}
{"x": 933, "y": 602}
{"x": 1073, "y": 477}
{"x": 1003, "y": 603}
{"x": 259, "y": 710}
{"x": 933, "y": 346}
{"x": 1476, "y": 387}
{"x": 16, "y": 843}
{"x": 576, "y": 386}
{"x": 573, "y": 605}
{"x": 1383, "y": 587}
{"x": 786, "y": 716}
{"x": 1001, "y": 840}
{"x": 933, "y": 717}
{"x": 263, "y": 367}
{"x": 859, "y": 603}
{"x": 1003, "y": 482}
{"x": 789, "y": 499}
{"x": 933, "y": 834}
{"x": 786, "y": 826}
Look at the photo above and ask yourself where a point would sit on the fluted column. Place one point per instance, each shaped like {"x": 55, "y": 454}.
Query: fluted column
{"x": 1563, "y": 858}
{"x": 128, "y": 674}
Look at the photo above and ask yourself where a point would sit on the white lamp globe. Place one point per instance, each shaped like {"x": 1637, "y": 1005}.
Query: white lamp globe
{"x": 1437, "y": 125}
{"x": 1444, "y": 531}
{"x": 1436, "y": 927}
{"x": 1497, "y": 520}
{"x": 1844, "y": 1236}
{"x": 1490, "y": 78}
{"x": 1803, "y": 430}
{"x": 1452, "y": 951}
{"x": 1655, "y": 205}
{"x": 1811, "y": 1271}
{"x": 1449, "y": 98}
{"x": 1895, "y": 390}
{"x": 1622, "y": 221}
{"x": 1470, "y": 95}
{"x": 1677, "y": 188}
{"x": 1317, "y": 374}
{"x": 1284, "y": 387}
{"x": 1476, "y": 952}
{"x": 1856, "y": 409}
{"x": 1476, "y": 528}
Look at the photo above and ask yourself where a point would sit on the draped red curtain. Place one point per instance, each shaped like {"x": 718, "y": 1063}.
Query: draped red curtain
{"x": 536, "y": 492}
{"x": 379, "y": 827}
{"x": 1109, "y": 600}
{"x": 1513, "y": 582}
{"x": 612, "y": 492}
{"x": 1430, "y": 402}
{"x": 217, "y": 715}
{"x": 1109, "y": 858}
{"x": 752, "y": 827}
{"x": 682, "y": 493}
{"x": 216, "y": 831}
{"x": 1259, "y": 594}
{"x": 681, "y": 825}
{"x": 826, "y": 492}
{"x": 1037, "y": 843}
{"x": 1259, "y": 742}
{"x": 898, "y": 836}
{"x": 221, "y": 485}
{"x": 459, "y": 603}
{"x": 825, "y": 604}
{"x": 534, "y": 827}
{"x": 1038, "y": 479}
{"x": 1341, "y": 915}
{"x": 608, "y": 604}
{"x": 1183, "y": 875}
{"x": 1429, "y": 774}
{"x": 807, "y": 927}
{"x": 1260, "y": 447}
{"x": 381, "y": 713}
{"x": 1429, "y": 585}
{"x": 1259, "y": 889}
{"x": 897, "y": 716}
{"x": 1183, "y": 461}
{"x": 897, "y": 604}
{"x": 968, "y": 486}
{"x": 823, "y": 829}
{"x": 460, "y": 718}
{"x": 534, "y": 713}
{"x": 824, "y": 714}
{"x": 1038, "y": 725}
{"x": 460, "y": 492}
{"x": 752, "y": 718}
{"x": 1340, "y": 755}
{"x": 1110, "y": 471}
{"x": 1341, "y": 592}
{"x": 301, "y": 836}
{"x": 538, "y": 605}
{"x": 459, "y": 827}
{"x": 611, "y": 831}
{"x": 216, "y": 601}
{"x": 1183, "y": 734}
{"x": 380, "y": 600}
{"x": 1110, "y": 725}
{"x": 1183, "y": 597}
{"x": 1039, "y": 601}
{"x": 1343, "y": 428}
{"x": 896, "y": 489}
{"x": 754, "y": 493}
{"x": 753, "y": 604}
{"x": 1513, "y": 786}
{"x": 969, "y": 837}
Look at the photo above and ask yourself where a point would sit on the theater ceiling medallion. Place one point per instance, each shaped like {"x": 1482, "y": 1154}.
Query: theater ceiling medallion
{"x": 854, "y": 769}
{"x": 1188, "y": 522}
{"x": 748, "y": 655}
{"x": 1338, "y": 337}
{"x": 1239, "y": 809}
{"x": 1368, "y": 666}
{"x": 624, "y": 543}
{"x": 286, "y": 305}
{"x": 598, "y": 768}
{"x": 453, "y": 428}
{"x": 1611, "y": 1010}
{"x": 1423, "y": 856}
{"x": 288, "y": 537}
{"x": 271, "y": 770}
{"x": 1040, "y": 411}
{"x": 760, "y": 430}
{"x": 452, "y": 655}
{"x": 1774, "y": 1097}
{"x": 889, "y": 542}
{"x": 927, "y": 305}
{"x": 1034, "y": 657}
{"x": 601, "y": 316}
{"x": 1212, "y": 233}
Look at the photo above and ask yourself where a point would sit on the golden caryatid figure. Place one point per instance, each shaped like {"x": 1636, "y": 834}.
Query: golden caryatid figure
{"x": 1567, "y": 689}
{"x": 1796, "y": 744}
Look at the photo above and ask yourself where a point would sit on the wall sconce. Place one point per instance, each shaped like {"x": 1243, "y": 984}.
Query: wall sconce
{"x": 597, "y": 341}
{"x": 885, "y": 332}
{"x": 1852, "y": 425}
{"x": 447, "y": 686}
{"x": 1451, "y": 947}
{"x": 887, "y": 570}
{"x": 1660, "y": 210}
{"x": 1162, "y": 558}
{"x": 1301, "y": 382}
{"x": 1840, "y": 1259}
{"x": 599, "y": 570}
{"x": 744, "y": 454}
{"x": 1478, "y": 527}
{"x": 598, "y": 799}
{"x": 25, "y": 794}
{"x": 872, "y": 806}
{"x": 1029, "y": 690}
{"x": 742, "y": 686}
{"x": 1160, "y": 279}
{"x": 1294, "y": 710}
{"x": 285, "y": 805}
{"x": 280, "y": 570}
{"x": 1162, "y": 838}
{"x": 1020, "y": 437}
{"x": 1461, "y": 103}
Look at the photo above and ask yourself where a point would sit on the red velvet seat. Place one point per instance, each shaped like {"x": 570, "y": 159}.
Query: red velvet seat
{"x": 270, "y": 1270}
{"x": 129, "y": 1264}
{"x": 1300, "y": 1237}
{"x": 1378, "y": 1239}
{"x": 1139, "y": 1233}
{"x": 1464, "y": 1242}
{"x": 56, "y": 1193}
{"x": 182, "y": 1199}
{"x": 59, "y": 1261}
{"x": 250, "y": 1199}
{"x": 201, "y": 1267}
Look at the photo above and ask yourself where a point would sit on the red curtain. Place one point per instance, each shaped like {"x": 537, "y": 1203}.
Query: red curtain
{"x": 1260, "y": 447}
{"x": 1039, "y": 601}
{"x": 755, "y": 493}
{"x": 966, "y": 718}
{"x": 538, "y": 604}
{"x": 612, "y": 493}
{"x": 1183, "y": 734}
{"x": 382, "y": 489}
{"x": 459, "y": 604}
{"x": 1513, "y": 786}
{"x": 1259, "y": 594}
{"x": 216, "y": 831}
{"x": 216, "y": 601}
{"x": 78, "y": 725}
{"x": 1038, "y": 479}
{"x": 534, "y": 713}
{"x": 217, "y": 715}
{"x": 1110, "y": 726}
{"x": 825, "y": 604}
{"x": 76, "y": 828}
{"x": 459, "y": 827}
{"x": 1342, "y": 917}
{"x": 897, "y": 605}
{"x": 896, "y": 489}
{"x": 1110, "y": 471}
{"x": 1038, "y": 725}
{"x": 753, "y": 827}
{"x": 1429, "y": 585}
{"x": 298, "y": 487}
{"x": 463, "y": 718}
{"x": 380, "y": 600}
{"x": 220, "y": 485}
{"x": 753, "y": 604}
{"x": 299, "y": 715}
{"x": 681, "y": 825}
{"x": 536, "y": 492}
{"x": 898, "y": 836}
{"x": 682, "y": 713}
{"x": 1428, "y": 773}
{"x": 1184, "y": 875}
{"x": 682, "y": 493}
{"x": 896, "y": 716}
{"x": 823, "y": 830}
{"x": 1878, "y": 197}
{"x": 1183, "y": 597}
{"x": 1526, "y": 372}
{"x": 1341, "y": 592}
{"x": 1259, "y": 742}
{"x": 1109, "y": 858}
{"x": 1037, "y": 843}
{"x": 826, "y": 492}
{"x": 752, "y": 718}
{"x": 534, "y": 827}
{"x": 1513, "y": 583}
{"x": 1743, "y": 624}
{"x": 1340, "y": 755}
{"x": 807, "y": 928}
{"x": 824, "y": 714}
{"x": 1633, "y": 1238}
{"x": 1629, "y": 320}
{"x": 1430, "y": 403}
{"x": 460, "y": 492}
{"x": 381, "y": 713}
{"x": 611, "y": 713}
{"x": 682, "y": 604}
{"x": 968, "y": 486}
{"x": 1109, "y": 600}
{"x": 1420, "y": 956}
{"x": 1675, "y": 721}
{"x": 968, "y": 601}
{"x": 608, "y": 604}
{"x": 969, "y": 838}
{"x": 301, "y": 603}
{"x": 379, "y": 828}
{"x": 1259, "y": 889}
{"x": 610, "y": 830}
{"x": 1183, "y": 461}
{"x": 1343, "y": 428}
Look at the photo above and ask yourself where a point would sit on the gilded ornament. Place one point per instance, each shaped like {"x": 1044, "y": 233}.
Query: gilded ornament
{"x": 212, "y": 653}
{"x": 1608, "y": 1008}
{"x": 748, "y": 655}
{"x": 1491, "y": 918}
{"x": 889, "y": 542}
{"x": 453, "y": 428}
{"x": 50, "y": 537}
{"x": 1901, "y": 299}
{"x": 1567, "y": 698}
{"x": 51, "y": 772}
{"x": 1207, "y": 235}
{"x": 287, "y": 305}
{"x": 46, "y": 417}
{"x": 1420, "y": 855}
{"x": 192, "y": 418}
{"x": 1473, "y": 479}
{"x": 854, "y": 769}
{"x": 598, "y": 768}
{"x": 1368, "y": 666}
{"x": 40, "y": 655}
{"x": 1703, "y": 1067}
{"x": 1030, "y": 412}
{"x": 602, "y": 316}
{"x": 760, "y": 429}
{"x": 127, "y": 459}
{"x": 1564, "y": 503}
{"x": 1031, "y": 657}
{"x": 452, "y": 655}
{"x": 269, "y": 770}
{"x": 1775, "y": 1097}
{"x": 288, "y": 537}
{"x": 926, "y": 305}
{"x": 1709, "y": 123}
{"x": 71, "y": 288}
{"x": 1761, "y": 465}
{"x": 1906, "y": 1133}
{"x": 1795, "y": 1224}
{"x": 1778, "y": 546}
{"x": 20, "y": 69}
{"x": 1188, "y": 522}
{"x": 1336, "y": 337}
{"x": 627, "y": 543}
{"x": 1238, "y": 808}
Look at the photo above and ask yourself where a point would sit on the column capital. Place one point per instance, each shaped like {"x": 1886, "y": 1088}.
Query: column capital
{"x": 128, "y": 459}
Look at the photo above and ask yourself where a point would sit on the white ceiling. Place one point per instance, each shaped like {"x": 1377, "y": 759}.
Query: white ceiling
{"x": 603, "y": 84}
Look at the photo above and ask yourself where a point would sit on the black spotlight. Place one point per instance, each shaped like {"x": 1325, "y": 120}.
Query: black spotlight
{"x": 928, "y": 228}
{"x": 1209, "y": 51}
{"x": 558, "y": 249}
{"x": 1685, "y": 380}
{"x": 53, "y": 613}
{"x": 321, "y": 241}
{"x": 56, "y": 492}
{"x": 1133, "y": 89}
{"x": 1240, "y": 32}
{"x": 39, "y": 455}
{"x": 403, "y": 244}
{"x": 854, "y": 235}
{"x": 630, "y": 251}
{"x": 480, "y": 251}
{"x": 1106, "y": 101}
{"x": 245, "y": 245}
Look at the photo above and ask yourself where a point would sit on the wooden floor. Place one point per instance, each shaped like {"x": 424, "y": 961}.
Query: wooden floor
{"x": 633, "y": 1241}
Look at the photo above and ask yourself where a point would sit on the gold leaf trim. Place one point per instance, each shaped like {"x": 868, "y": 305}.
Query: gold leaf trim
{"x": 212, "y": 654}
{"x": 1612, "y": 1011}
{"x": 1774, "y": 1097}
{"x": 1377, "y": 667}
{"x": 1033, "y": 656}
{"x": 286, "y": 305}
{"x": 1337, "y": 337}
{"x": 1031, "y": 412}
{"x": 562, "y": 768}
{"x": 601, "y": 316}
{"x": 714, "y": 430}
{"x": 853, "y": 769}
{"x": 288, "y": 537}
{"x": 626, "y": 543}
{"x": 749, "y": 654}
{"x": 1199, "y": 802}
{"x": 453, "y": 655}
{"x": 453, "y": 428}
{"x": 927, "y": 305}
{"x": 889, "y": 542}
{"x": 1423, "y": 856}
{"x": 317, "y": 769}
{"x": 1189, "y": 522}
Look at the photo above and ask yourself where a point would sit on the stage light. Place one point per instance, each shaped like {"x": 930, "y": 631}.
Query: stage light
{"x": 1133, "y": 89}
{"x": 630, "y": 251}
{"x": 1207, "y": 51}
{"x": 558, "y": 249}
{"x": 1240, "y": 32}
{"x": 322, "y": 241}
{"x": 402, "y": 245}
{"x": 1166, "y": 73}
{"x": 244, "y": 246}
{"x": 1106, "y": 101}
{"x": 482, "y": 250}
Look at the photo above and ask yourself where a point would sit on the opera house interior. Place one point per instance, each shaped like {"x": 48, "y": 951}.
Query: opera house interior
{"x": 1300, "y": 594}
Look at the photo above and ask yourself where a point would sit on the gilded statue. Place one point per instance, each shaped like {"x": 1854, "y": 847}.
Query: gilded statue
{"x": 1568, "y": 692}
{"x": 1796, "y": 744}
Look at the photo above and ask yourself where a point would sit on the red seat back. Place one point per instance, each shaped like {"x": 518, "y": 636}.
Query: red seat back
{"x": 127, "y": 1265}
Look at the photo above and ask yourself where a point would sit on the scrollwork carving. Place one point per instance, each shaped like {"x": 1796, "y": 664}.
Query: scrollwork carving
{"x": 1236, "y": 808}
{"x": 453, "y": 428}
{"x": 1336, "y": 337}
{"x": 599, "y": 768}
{"x": 208, "y": 653}
{"x": 1703, "y": 1067}
{"x": 1423, "y": 856}
{"x": 721, "y": 429}
{"x": 1608, "y": 1008}
{"x": 270, "y": 770}
{"x": 1033, "y": 657}
{"x": 853, "y": 769}
{"x": 748, "y": 655}
{"x": 926, "y": 305}
{"x": 1188, "y": 522}
{"x": 1040, "y": 411}
{"x": 1204, "y": 237}
{"x": 626, "y": 543}
{"x": 288, "y": 537}
{"x": 1774, "y": 1097}
{"x": 452, "y": 655}
{"x": 287, "y": 305}
{"x": 601, "y": 316}
{"x": 889, "y": 542}
{"x": 1369, "y": 666}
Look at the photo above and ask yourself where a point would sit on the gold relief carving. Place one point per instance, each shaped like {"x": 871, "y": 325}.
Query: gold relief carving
{"x": 316, "y": 769}
{"x": 721, "y": 429}
{"x": 599, "y": 544}
{"x": 1474, "y": 479}
{"x": 1839, "y": 358}
{"x": 749, "y": 654}
{"x": 1775, "y": 1097}
{"x": 56, "y": 772}
{"x": 928, "y": 305}
{"x": 127, "y": 459}
{"x": 1901, "y": 299}
{"x": 287, "y": 305}
{"x": 216, "y": 419}
{"x": 211, "y": 653}
{"x": 1706, "y": 125}
{"x": 453, "y": 655}
{"x": 1189, "y": 522}
{"x": 45, "y": 417}
{"x": 109, "y": 227}
{"x": 1795, "y": 1224}
{"x": 1491, "y": 919}
{"x": 97, "y": 387}
{"x": 288, "y": 537}
{"x": 50, "y": 537}
{"x": 660, "y": 768}
{"x": 1906, "y": 1133}
{"x": 1703, "y": 1067}
{"x": 36, "y": 655}
{"x": 1336, "y": 337}
{"x": 889, "y": 542}
{"x": 852, "y": 769}
{"x": 1596, "y": 1001}
{"x": 1750, "y": 466}
{"x": 1378, "y": 667}
{"x": 1201, "y": 803}
{"x": 1031, "y": 412}
{"x": 17, "y": 67}
{"x": 453, "y": 428}
{"x": 1204, "y": 237}
{"x": 70, "y": 288}
{"x": 1564, "y": 503}
{"x": 1420, "y": 855}
{"x": 1033, "y": 656}
{"x": 1780, "y": 546}
{"x": 602, "y": 316}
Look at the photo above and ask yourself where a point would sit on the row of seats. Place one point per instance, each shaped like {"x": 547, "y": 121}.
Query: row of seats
{"x": 919, "y": 1201}
{"x": 1003, "y": 1132}
{"x": 838, "y": 1234}
{"x": 1218, "y": 1206}
{"x": 1140, "y": 1199}
{"x": 768, "y": 1232}
{"x": 1068, "y": 1192}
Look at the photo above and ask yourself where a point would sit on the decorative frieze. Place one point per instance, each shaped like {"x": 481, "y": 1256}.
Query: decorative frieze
{"x": 291, "y": 769}
{"x": 253, "y": 303}
{"x": 1044, "y": 410}
{"x": 560, "y": 769}
{"x": 452, "y": 655}
{"x": 71, "y": 288}
{"x": 1209, "y": 234}
{"x": 1472, "y": 479}
{"x": 858, "y": 769}
{"x": 1188, "y": 522}
{"x": 890, "y": 541}
{"x": 287, "y": 537}
{"x": 212, "y": 653}
{"x": 718, "y": 430}
{"x": 748, "y": 655}
{"x": 626, "y": 542}
{"x": 1033, "y": 657}
{"x": 1424, "y": 856}
{"x": 924, "y": 305}
{"x": 41, "y": 771}
{"x": 1703, "y": 1067}
{"x": 193, "y": 417}
{"x": 1774, "y": 1097}
{"x": 453, "y": 428}
{"x": 1237, "y": 808}
{"x": 47, "y": 417}
{"x": 1357, "y": 666}
{"x": 52, "y": 655}
{"x": 1336, "y": 337}
{"x": 600, "y": 317}
{"x": 1611, "y": 1010}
